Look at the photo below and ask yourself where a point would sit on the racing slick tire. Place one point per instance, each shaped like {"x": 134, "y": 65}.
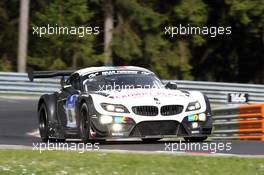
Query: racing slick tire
{"x": 84, "y": 126}
{"x": 43, "y": 122}
{"x": 195, "y": 139}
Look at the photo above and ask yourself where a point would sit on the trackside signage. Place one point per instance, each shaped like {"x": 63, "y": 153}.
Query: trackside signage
{"x": 237, "y": 97}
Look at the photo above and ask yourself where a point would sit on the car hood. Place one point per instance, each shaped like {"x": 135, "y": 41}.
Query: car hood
{"x": 144, "y": 96}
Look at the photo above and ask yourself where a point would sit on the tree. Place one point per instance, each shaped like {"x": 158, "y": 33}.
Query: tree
{"x": 8, "y": 34}
{"x": 73, "y": 51}
{"x": 23, "y": 36}
{"x": 237, "y": 57}
{"x": 108, "y": 31}
{"x": 137, "y": 37}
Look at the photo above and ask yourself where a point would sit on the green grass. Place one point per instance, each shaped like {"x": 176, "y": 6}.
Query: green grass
{"x": 58, "y": 162}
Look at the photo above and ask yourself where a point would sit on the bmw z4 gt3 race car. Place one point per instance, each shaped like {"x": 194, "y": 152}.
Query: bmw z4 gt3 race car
{"x": 100, "y": 103}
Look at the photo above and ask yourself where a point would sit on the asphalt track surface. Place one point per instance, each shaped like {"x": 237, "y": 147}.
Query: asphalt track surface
{"x": 18, "y": 118}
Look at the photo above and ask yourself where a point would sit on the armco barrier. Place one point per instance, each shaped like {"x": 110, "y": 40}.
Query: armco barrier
{"x": 18, "y": 83}
{"x": 243, "y": 122}
{"x": 217, "y": 92}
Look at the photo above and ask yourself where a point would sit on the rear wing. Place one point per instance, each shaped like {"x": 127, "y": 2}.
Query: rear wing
{"x": 47, "y": 74}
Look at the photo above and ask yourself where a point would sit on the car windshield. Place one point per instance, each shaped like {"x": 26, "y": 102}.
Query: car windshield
{"x": 122, "y": 81}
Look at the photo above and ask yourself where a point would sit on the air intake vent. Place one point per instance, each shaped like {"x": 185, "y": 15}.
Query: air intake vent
{"x": 171, "y": 110}
{"x": 146, "y": 110}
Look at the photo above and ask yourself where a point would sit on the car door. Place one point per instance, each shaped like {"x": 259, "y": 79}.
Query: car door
{"x": 67, "y": 102}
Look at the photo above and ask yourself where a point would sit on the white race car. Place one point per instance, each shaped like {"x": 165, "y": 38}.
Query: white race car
{"x": 120, "y": 102}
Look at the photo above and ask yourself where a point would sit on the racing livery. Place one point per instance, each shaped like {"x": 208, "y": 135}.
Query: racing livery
{"x": 100, "y": 103}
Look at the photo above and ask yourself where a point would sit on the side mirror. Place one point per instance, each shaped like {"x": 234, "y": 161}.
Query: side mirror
{"x": 171, "y": 85}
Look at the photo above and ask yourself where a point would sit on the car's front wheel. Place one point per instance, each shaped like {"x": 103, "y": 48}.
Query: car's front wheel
{"x": 84, "y": 123}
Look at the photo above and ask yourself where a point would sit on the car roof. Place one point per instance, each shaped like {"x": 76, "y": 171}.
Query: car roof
{"x": 89, "y": 70}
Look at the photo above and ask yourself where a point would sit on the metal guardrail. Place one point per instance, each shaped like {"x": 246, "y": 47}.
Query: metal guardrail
{"x": 244, "y": 122}
{"x": 18, "y": 83}
{"x": 218, "y": 92}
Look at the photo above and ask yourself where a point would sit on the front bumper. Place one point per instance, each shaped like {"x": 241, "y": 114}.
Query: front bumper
{"x": 151, "y": 129}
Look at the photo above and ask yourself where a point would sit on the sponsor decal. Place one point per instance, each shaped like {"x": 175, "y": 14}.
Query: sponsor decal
{"x": 196, "y": 132}
{"x": 157, "y": 101}
{"x": 192, "y": 118}
{"x": 114, "y": 72}
{"x": 157, "y": 94}
{"x": 70, "y": 111}
{"x": 120, "y": 119}
{"x": 117, "y": 134}
{"x": 70, "y": 102}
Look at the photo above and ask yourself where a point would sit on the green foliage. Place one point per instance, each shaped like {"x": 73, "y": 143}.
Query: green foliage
{"x": 126, "y": 44}
{"x": 38, "y": 63}
{"x": 139, "y": 37}
{"x": 5, "y": 65}
{"x": 71, "y": 49}
{"x": 193, "y": 12}
{"x": 58, "y": 64}
{"x": 247, "y": 11}
{"x": 140, "y": 14}
{"x": 8, "y": 34}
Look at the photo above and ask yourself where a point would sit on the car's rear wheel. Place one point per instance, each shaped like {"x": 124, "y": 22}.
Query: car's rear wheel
{"x": 43, "y": 123}
{"x": 84, "y": 123}
{"x": 195, "y": 139}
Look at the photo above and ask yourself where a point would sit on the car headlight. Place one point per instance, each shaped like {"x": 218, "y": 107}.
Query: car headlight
{"x": 193, "y": 106}
{"x": 114, "y": 108}
{"x": 105, "y": 119}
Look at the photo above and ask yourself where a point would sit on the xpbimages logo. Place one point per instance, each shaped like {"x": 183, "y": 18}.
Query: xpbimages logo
{"x": 80, "y": 31}
{"x": 65, "y": 146}
{"x": 212, "y": 31}
{"x": 212, "y": 147}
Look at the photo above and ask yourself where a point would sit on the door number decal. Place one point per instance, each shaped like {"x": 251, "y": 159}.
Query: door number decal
{"x": 70, "y": 111}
